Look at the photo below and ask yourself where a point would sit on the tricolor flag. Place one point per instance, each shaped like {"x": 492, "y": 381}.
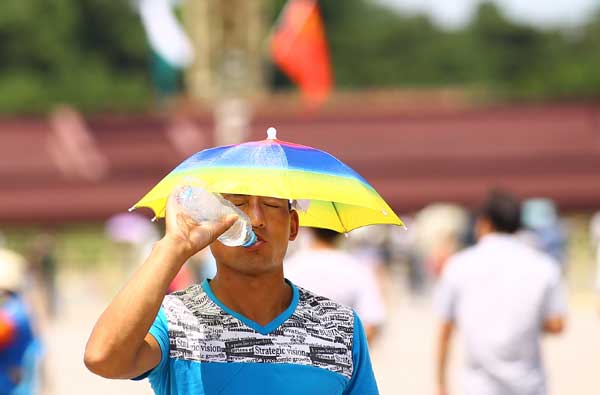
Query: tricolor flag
{"x": 299, "y": 48}
{"x": 171, "y": 47}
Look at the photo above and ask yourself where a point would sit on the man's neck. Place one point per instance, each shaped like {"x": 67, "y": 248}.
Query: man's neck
{"x": 321, "y": 245}
{"x": 258, "y": 298}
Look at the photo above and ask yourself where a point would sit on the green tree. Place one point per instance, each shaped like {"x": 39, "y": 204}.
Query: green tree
{"x": 93, "y": 54}
{"x": 90, "y": 53}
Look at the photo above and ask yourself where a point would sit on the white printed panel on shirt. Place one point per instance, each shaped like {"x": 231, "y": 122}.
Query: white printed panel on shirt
{"x": 319, "y": 333}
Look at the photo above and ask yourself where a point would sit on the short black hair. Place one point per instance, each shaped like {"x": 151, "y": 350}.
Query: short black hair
{"x": 503, "y": 210}
{"x": 326, "y": 235}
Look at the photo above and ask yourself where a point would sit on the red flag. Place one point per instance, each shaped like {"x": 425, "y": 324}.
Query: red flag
{"x": 299, "y": 48}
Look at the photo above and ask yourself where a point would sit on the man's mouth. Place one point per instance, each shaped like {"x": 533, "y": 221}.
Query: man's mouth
{"x": 259, "y": 242}
{"x": 256, "y": 245}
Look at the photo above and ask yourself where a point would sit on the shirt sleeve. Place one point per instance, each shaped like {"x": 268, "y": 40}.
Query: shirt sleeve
{"x": 159, "y": 330}
{"x": 447, "y": 294}
{"x": 555, "y": 303}
{"x": 363, "y": 379}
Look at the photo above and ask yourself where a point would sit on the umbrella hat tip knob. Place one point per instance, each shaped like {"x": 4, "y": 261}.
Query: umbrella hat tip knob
{"x": 271, "y": 133}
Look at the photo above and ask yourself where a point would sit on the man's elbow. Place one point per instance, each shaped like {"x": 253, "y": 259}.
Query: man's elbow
{"x": 100, "y": 362}
{"x": 95, "y": 362}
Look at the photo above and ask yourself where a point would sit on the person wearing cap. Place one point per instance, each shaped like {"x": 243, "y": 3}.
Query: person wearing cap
{"x": 247, "y": 331}
{"x": 16, "y": 334}
{"x": 502, "y": 295}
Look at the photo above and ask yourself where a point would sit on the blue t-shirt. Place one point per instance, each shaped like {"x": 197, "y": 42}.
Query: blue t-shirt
{"x": 316, "y": 346}
{"x": 11, "y": 355}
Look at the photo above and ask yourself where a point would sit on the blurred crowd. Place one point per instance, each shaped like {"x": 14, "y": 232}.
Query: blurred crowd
{"x": 355, "y": 269}
{"x": 28, "y": 304}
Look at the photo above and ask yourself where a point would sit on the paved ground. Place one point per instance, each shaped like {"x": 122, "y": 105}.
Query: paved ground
{"x": 402, "y": 357}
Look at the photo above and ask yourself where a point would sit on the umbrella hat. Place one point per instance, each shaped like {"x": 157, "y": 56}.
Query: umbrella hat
{"x": 340, "y": 199}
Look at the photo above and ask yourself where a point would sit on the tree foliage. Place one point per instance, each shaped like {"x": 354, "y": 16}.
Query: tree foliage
{"x": 93, "y": 54}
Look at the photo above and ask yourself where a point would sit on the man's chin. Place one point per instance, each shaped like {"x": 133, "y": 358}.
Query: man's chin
{"x": 258, "y": 265}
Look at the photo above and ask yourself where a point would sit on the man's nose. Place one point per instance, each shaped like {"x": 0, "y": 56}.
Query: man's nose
{"x": 255, "y": 212}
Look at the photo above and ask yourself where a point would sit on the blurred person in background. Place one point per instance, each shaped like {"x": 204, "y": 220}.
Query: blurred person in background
{"x": 204, "y": 265}
{"x": 17, "y": 340}
{"x": 371, "y": 246}
{"x": 440, "y": 231}
{"x": 183, "y": 279}
{"x": 326, "y": 270}
{"x": 543, "y": 229}
{"x": 502, "y": 295}
{"x": 595, "y": 239}
{"x": 199, "y": 267}
{"x": 42, "y": 260}
{"x": 133, "y": 237}
{"x": 403, "y": 251}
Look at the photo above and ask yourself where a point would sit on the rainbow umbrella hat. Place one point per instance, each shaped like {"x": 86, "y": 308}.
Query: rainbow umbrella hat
{"x": 339, "y": 198}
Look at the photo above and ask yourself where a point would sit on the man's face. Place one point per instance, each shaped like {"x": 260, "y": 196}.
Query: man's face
{"x": 274, "y": 224}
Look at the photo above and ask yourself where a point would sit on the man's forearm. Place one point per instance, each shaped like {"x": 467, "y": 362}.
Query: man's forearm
{"x": 553, "y": 325}
{"x": 445, "y": 334}
{"x": 121, "y": 329}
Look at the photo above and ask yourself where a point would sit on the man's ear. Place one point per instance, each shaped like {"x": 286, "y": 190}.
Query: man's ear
{"x": 294, "y": 225}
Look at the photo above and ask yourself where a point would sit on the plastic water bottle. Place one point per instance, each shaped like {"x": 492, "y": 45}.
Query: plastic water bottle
{"x": 204, "y": 206}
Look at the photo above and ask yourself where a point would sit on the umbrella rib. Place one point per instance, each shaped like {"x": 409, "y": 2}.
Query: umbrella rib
{"x": 340, "y": 218}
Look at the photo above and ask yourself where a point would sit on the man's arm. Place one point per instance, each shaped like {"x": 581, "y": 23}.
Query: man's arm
{"x": 371, "y": 332}
{"x": 446, "y": 301}
{"x": 555, "y": 306}
{"x": 554, "y": 325}
{"x": 120, "y": 346}
{"x": 444, "y": 338}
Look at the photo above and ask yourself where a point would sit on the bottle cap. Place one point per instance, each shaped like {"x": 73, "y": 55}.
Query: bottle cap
{"x": 250, "y": 242}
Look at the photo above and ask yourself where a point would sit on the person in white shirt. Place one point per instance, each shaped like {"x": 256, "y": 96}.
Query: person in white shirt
{"x": 595, "y": 238}
{"x": 337, "y": 275}
{"x": 502, "y": 295}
